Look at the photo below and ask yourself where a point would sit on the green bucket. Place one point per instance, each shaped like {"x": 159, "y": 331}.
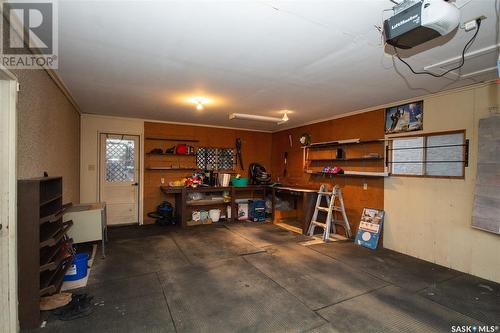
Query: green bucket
{"x": 240, "y": 182}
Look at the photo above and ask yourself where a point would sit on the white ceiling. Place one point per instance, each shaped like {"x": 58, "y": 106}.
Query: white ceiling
{"x": 319, "y": 58}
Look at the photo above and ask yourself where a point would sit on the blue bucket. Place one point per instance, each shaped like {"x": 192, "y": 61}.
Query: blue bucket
{"x": 78, "y": 269}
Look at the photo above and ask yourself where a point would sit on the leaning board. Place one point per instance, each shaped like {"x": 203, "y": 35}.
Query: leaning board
{"x": 486, "y": 212}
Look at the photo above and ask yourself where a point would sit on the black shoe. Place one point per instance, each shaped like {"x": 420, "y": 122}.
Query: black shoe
{"x": 79, "y": 303}
{"x": 79, "y": 311}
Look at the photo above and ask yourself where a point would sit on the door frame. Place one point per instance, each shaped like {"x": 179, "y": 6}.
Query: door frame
{"x": 140, "y": 171}
{"x": 9, "y": 84}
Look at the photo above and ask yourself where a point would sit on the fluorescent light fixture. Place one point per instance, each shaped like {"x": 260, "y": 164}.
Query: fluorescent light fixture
{"x": 245, "y": 116}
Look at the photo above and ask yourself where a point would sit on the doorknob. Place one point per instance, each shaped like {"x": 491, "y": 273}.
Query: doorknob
{"x": 135, "y": 184}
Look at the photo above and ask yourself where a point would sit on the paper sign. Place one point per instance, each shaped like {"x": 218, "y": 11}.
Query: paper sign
{"x": 370, "y": 227}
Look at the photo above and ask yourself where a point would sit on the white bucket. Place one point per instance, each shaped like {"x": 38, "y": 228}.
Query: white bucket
{"x": 224, "y": 179}
{"x": 214, "y": 215}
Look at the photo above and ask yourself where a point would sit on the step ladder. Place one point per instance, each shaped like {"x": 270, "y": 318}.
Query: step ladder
{"x": 329, "y": 225}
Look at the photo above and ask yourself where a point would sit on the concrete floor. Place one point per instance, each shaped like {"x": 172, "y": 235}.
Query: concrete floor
{"x": 258, "y": 278}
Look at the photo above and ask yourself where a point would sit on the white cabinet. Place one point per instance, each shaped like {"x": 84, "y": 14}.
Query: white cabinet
{"x": 89, "y": 223}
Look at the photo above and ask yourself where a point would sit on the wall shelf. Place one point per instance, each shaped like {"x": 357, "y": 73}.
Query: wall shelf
{"x": 171, "y": 139}
{"x": 360, "y": 159}
{"x": 176, "y": 155}
{"x": 350, "y": 174}
{"x": 337, "y": 143}
{"x": 170, "y": 169}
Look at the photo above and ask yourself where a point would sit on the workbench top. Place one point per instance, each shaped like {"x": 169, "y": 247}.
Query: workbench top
{"x": 178, "y": 189}
{"x": 295, "y": 189}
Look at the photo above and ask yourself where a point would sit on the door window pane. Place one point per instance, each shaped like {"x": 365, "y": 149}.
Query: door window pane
{"x": 120, "y": 164}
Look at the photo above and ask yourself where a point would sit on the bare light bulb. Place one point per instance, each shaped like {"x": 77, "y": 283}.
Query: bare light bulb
{"x": 285, "y": 117}
{"x": 199, "y": 106}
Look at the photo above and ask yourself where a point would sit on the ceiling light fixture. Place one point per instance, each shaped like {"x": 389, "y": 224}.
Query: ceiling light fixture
{"x": 245, "y": 116}
{"x": 285, "y": 116}
{"x": 199, "y": 101}
{"x": 199, "y": 106}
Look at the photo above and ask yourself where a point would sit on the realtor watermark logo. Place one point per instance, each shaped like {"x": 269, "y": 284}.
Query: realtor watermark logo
{"x": 29, "y": 38}
{"x": 474, "y": 329}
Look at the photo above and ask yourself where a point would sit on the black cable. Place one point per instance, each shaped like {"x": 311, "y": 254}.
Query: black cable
{"x": 469, "y": 43}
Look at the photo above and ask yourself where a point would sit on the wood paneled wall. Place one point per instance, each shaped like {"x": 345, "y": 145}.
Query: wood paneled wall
{"x": 365, "y": 126}
{"x": 256, "y": 147}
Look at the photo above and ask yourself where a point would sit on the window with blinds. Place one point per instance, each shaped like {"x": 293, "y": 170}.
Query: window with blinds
{"x": 430, "y": 155}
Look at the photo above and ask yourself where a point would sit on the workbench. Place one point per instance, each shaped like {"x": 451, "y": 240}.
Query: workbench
{"x": 304, "y": 201}
{"x": 183, "y": 207}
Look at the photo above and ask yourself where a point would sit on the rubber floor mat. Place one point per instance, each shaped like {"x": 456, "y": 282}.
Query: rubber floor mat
{"x": 469, "y": 295}
{"x": 262, "y": 235}
{"x": 204, "y": 244}
{"x": 392, "y": 310}
{"x": 396, "y": 268}
{"x": 233, "y": 296}
{"x": 315, "y": 279}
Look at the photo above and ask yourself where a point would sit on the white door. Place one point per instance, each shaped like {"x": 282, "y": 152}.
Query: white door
{"x": 119, "y": 177}
{"x": 8, "y": 178}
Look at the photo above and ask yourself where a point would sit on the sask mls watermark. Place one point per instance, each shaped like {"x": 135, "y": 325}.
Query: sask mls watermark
{"x": 474, "y": 329}
{"x": 29, "y": 38}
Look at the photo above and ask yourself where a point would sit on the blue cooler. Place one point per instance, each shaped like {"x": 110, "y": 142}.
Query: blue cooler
{"x": 257, "y": 210}
{"x": 78, "y": 269}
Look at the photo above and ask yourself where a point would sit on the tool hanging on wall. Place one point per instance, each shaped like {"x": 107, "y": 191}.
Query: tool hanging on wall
{"x": 285, "y": 171}
{"x": 238, "y": 153}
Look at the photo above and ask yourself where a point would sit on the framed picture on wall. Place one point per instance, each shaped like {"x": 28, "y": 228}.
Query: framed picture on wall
{"x": 404, "y": 118}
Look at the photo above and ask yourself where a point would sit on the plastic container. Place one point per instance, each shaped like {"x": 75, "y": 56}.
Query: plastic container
{"x": 78, "y": 269}
{"x": 214, "y": 215}
{"x": 257, "y": 210}
{"x": 240, "y": 182}
{"x": 224, "y": 179}
{"x": 203, "y": 215}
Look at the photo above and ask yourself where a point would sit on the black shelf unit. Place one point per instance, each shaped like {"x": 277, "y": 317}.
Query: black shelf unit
{"x": 41, "y": 261}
